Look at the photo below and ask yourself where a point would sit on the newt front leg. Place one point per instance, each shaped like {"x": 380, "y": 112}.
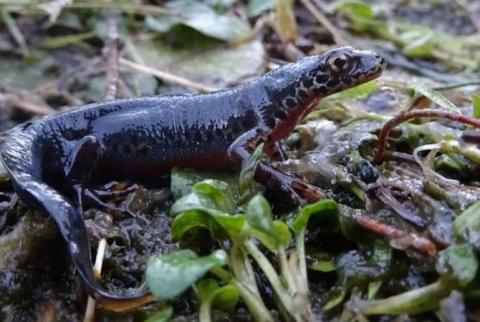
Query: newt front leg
{"x": 265, "y": 173}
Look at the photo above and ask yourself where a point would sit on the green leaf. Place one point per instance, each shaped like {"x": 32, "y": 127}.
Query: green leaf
{"x": 272, "y": 234}
{"x": 256, "y": 7}
{"x": 373, "y": 288}
{"x": 224, "y": 297}
{"x": 63, "y": 41}
{"x": 321, "y": 261}
{"x": 283, "y": 234}
{"x": 217, "y": 222}
{"x": 183, "y": 180}
{"x": 354, "y": 8}
{"x": 207, "y": 194}
{"x": 467, "y": 225}
{"x": 457, "y": 263}
{"x": 336, "y": 297}
{"x": 281, "y": 237}
{"x": 434, "y": 96}
{"x": 259, "y": 215}
{"x": 163, "y": 24}
{"x": 201, "y": 17}
{"x": 325, "y": 209}
{"x": 358, "y": 269}
{"x": 218, "y": 191}
{"x": 193, "y": 219}
{"x": 419, "y": 43}
{"x": 476, "y": 106}
{"x": 163, "y": 315}
{"x": 170, "y": 275}
{"x": 213, "y": 64}
{"x": 356, "y": 92}
{"x": 247, "y": 172}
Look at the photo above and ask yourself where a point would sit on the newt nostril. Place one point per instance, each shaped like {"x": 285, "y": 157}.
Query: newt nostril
{"x": 380, "y": 58}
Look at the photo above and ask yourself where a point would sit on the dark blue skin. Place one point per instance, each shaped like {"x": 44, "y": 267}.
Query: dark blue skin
{"x": 51, "y": 159}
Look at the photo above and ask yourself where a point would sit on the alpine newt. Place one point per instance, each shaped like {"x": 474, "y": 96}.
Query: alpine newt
{"x": 50, "y": 159}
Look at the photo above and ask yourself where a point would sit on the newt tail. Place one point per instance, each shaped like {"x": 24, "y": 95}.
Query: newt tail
{"x": 23, "y": 162}
{"x": 52, "y": 160}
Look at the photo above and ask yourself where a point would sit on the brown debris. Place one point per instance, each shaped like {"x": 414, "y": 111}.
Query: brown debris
{"x": 411, "y": 240}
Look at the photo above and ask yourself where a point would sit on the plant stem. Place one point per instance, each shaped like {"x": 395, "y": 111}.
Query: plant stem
{"x": 302, "y": 260}
{"x": 451, "y": 146}
{"x": 415, "y": 301}
{"x": 204, "y": 314}
{"x": 270, "y": 272}
{"x": 222, "y": 274}
{"x": 286, "y": 273}
{"x": 253, "y": 301}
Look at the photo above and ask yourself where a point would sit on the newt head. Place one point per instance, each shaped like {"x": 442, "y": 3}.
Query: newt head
{"x": 300, "y": 86}
{"x": 342, "y": 68}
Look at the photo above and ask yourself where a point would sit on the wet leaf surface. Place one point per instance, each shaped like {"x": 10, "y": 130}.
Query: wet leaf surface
{"x": 215, "y": 65}
{"x": 169, "y": 275}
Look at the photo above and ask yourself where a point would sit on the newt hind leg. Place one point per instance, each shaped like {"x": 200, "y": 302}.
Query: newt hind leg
{"x": 80, "y": 163}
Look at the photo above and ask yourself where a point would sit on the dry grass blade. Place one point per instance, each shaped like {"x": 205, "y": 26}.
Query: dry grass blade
{"x": 54, "y": 8}
{"x": 323, "y": 20}
{"x": 286, "y": 22}
{"x": 111, "y": 53}
{"x": 20, "y": 103}
{"x": 14, "y": 31}
{"x": 166, "y": 76}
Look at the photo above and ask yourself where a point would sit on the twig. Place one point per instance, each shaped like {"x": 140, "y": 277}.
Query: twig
{"x": 414, "y": 241}
{"x": 18, "y": 102}
{"x": 97, "y": 268}
{"x": 90, "y": 310}
{"x": 400, "y": 157}
{"x": 402, "y": 117}
{"x": 323, "y": 20}
{"x": 166, "y": 76}
{"x": 386, "y": 197}
{"x": 111, "y": 52}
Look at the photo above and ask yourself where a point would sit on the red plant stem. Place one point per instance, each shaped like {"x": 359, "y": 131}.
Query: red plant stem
{"x": 405, "y": 116}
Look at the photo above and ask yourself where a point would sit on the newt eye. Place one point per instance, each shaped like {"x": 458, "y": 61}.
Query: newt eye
{"x": 339, "y": 63}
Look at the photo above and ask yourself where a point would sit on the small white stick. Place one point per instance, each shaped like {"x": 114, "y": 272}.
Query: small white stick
{"x": 97, "y": 269}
